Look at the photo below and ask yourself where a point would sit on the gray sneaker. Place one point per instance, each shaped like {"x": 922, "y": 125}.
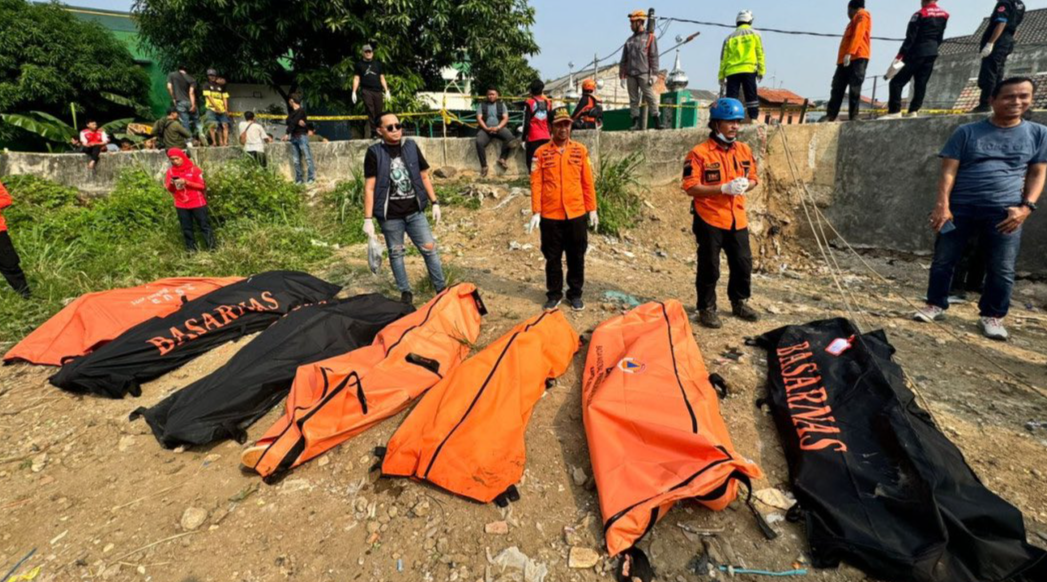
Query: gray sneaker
{"x": 992, "y": 328}
{"x": 929, "y": 313}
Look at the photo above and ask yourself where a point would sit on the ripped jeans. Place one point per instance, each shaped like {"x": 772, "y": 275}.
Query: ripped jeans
{"x": 417, "y": 227}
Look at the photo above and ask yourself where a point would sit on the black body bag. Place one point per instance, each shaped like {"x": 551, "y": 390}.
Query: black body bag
{"x": 159, "y": 345}
{"x": 880, "y": 486}
{"x": 224, "y": 403}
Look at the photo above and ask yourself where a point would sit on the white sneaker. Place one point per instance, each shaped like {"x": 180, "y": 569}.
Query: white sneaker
{"x": 992, "y": 328}
{"x": 890, "y": 116}
{"x": 913, "y": 114}
{"x": 929, "y": 313}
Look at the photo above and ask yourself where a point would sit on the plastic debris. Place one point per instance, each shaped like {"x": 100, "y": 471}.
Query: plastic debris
{"x": 512, "y": 557}
{"x": 620, "y": 297}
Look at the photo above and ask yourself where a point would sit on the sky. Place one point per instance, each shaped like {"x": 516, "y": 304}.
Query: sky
{"x": 574, "y": 31}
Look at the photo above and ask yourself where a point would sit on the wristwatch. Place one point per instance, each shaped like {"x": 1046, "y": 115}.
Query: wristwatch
{"x": 1029, "y": 205}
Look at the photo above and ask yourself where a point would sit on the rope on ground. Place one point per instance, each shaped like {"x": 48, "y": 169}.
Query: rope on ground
{"x": 963, "y": 341}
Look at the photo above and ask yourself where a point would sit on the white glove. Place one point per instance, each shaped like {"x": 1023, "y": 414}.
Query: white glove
{"x": 987, "y": 50}
{"x": 369, "y": 227}
{"x": 624, "y": 84}
{"x": 535, "y": 221}
{"x": 354, "y": 97}
{"x": 847, "y": 60}
{"x": 759, "y": 78}
{"x": 894, "y": 69}
{"x": 594, "y": 220}
{"x": 650, "y": 80}
{"x": 388, "y": 96}
{"x": 735, "y": 187}
{"x": 436, "y": 214}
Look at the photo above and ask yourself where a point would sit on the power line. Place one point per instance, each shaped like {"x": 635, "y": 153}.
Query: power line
{"x": 775, "y": 30}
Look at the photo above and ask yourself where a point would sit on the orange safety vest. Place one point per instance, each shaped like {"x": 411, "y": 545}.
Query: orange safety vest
{"x": 710, "y": 164}
{"x": 857, "y": 39}
{"x": 591, "y": 104}
{"x": 562, "y": 184}
{"x": 653, "y": 423}
{"x": 335, "y": 399}
{"x": 467, "y": 434}
{"x": 96, "y": 319}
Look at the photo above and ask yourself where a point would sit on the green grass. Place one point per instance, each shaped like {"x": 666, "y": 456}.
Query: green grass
{"x": 69, "y": 247}
{"x": 617, "y": 194}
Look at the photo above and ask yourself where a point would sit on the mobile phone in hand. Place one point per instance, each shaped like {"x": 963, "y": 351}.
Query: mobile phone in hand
{"x": 947, "y": 227}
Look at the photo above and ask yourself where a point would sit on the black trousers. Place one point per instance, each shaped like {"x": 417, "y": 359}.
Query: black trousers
{"x": 532, "y": 146}
{"x": 992, "y": 69}
{"x": 93, "y": 152}
{"x": 745, "y": 82}
{"x": 559, "y": 237}
{"x": 260, "y": 158}
{"x": 10, "y": 265}
{"x": 917, "y": 70}
{"x": 850, "y": 80}
{"x": 735, "y": 243}
{"x": 186, "y": 218}
{"x": 483, "y": 138}
{"x": 374, "y": 102}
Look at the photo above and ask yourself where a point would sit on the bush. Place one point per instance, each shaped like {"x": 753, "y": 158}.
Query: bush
{"x": 345, "y": 204}
{"x": 38, "y": 193}
{"x": 243, "y": 189}
{"x": 617, "y": 200}
{"x": 137, "y": 203}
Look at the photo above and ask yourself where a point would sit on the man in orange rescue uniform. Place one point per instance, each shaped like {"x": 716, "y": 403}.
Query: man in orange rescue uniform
{"x": 717, "y": 174}
{"x": 562, "y": 194}
{"x": 851, "y": 62}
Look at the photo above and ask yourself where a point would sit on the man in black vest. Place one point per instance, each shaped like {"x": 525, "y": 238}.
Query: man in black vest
{"x": 997, "y": 44}
{"x": 397, "y": 191}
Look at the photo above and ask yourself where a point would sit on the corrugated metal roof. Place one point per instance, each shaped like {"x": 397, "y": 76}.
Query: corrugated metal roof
{"x": 1032, "y": 31}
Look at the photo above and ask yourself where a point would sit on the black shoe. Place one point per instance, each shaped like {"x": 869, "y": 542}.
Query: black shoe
{"x": 551, "y": 304}
{"x": 577, "y": 304}
{"x": 636, "y": 124}
{"x": 658, "y": 122}
{"x": 982, "y": 109}
{"x": 709, "y": 318}
{"x": 483, "y": 172}
{"x": 25, "y": 293}
{"x": 741, "y": 310}
{"x": 407, "y": 297}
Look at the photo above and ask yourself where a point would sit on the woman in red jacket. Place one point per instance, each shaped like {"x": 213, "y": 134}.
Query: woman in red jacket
{"x": 185, "y": 181}
{"x": 9, "y": 263}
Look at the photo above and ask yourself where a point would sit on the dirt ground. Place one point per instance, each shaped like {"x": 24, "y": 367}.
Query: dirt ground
{"x": 99, "y": 499}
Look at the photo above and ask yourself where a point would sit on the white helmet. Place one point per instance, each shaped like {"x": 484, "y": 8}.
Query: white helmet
{"x": 745, "y": 17}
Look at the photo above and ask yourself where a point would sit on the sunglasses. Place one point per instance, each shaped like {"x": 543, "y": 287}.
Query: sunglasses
{"x": 394, "y": 127}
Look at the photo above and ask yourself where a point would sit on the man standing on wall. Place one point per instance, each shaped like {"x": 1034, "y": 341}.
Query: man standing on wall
{"x": 298, "y": 135}
{"x": 718, "y": 174}
{"x": 492, "y": 116}
{"x": 217, "y": 99}
{"x": 853, "y": 59}
{"x": 993, "y": 173}
{"x": 997, "y": 44}
{"x": 563, "y": 198}
{"x": 536, "y": 120}
{"x": 915, "y": 62}
{"x": 369, "y": 76}
{"x": 397, "y": 190}
{"x": 742, "y": 64}
{"x": 638, "y": 70}
{"x": 182, "y": 89}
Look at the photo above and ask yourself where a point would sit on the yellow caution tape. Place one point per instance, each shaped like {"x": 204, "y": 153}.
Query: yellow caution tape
{"x": 30, "y": 575}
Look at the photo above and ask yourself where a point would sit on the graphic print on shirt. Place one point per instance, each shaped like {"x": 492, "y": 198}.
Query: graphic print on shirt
{"x": 400, "y": 179}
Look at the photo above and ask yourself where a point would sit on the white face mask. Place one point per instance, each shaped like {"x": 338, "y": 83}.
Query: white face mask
{"x": 724, "y": 138}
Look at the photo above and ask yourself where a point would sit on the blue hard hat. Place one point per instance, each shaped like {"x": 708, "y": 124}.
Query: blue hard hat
{"x": 727, "y": 109}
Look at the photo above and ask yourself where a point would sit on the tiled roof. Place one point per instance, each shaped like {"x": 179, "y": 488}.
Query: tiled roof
{"x": 968, "y": 98}
{"x": 1032, "y": 31}
{"x": 780, "y": 96}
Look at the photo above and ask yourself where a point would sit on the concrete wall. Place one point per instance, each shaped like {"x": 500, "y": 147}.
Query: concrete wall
{"x": 876, "y": 179}
{"x": 886, "y": 182}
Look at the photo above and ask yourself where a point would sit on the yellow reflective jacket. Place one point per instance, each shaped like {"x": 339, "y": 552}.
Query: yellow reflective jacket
{"x": 742, "y": 53}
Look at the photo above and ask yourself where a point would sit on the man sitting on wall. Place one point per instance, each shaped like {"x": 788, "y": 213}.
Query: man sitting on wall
{"x": 993, "y": 173}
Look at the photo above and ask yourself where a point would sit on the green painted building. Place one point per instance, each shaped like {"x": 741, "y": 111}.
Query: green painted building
{"x": 125, "y": 30}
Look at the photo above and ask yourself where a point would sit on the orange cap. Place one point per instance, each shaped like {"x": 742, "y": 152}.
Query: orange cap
{"x": 588, "y": 85}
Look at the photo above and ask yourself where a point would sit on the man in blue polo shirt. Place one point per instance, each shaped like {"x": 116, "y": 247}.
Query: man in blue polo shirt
{"x": 992, "y": 175}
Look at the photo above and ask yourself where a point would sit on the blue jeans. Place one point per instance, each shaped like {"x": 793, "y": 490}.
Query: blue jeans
{"x": 189, "y": 120}
{"x": 417, "y": 227}
{"x": 1001, "y": 254}
{"x": 300, "y": 147}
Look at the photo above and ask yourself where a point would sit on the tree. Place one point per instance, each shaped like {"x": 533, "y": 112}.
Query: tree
{"x": 314, "y": 43}
{"x": 50, "y": 60}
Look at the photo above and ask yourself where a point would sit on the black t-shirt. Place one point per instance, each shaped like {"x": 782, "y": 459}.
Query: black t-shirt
{"x": 370, "y": 73}
{"x": 403, "y": 201}
{"x": 1011, "y": 12}
{"x": 180, "y": 85}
